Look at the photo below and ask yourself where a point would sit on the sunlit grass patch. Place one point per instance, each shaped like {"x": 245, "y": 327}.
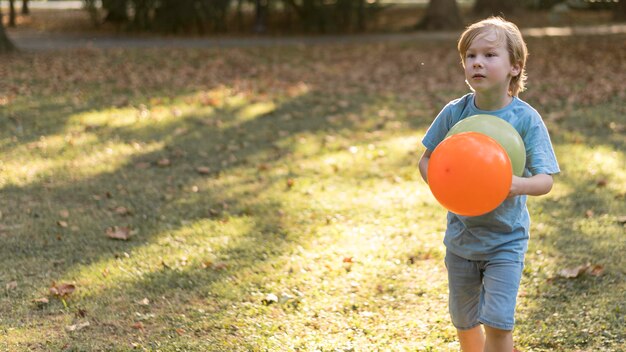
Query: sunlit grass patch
{"x": 275, "y": 206}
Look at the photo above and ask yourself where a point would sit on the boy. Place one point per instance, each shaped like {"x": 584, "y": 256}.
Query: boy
{"x": 485, "y": 254}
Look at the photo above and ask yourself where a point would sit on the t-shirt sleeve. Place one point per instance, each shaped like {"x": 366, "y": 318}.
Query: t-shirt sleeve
{"x": 540, "y": 157}
{"x": 438, "y": 129}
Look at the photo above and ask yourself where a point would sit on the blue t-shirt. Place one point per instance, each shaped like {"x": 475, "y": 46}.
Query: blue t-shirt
{"x": 502, "y": 233}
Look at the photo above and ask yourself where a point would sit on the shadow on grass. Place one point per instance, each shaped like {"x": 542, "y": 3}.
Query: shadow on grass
{"x": 163, "y": 204}
{"x": 576, "y": 226}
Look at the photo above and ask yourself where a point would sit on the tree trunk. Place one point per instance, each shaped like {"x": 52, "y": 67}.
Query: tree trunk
{"x": 12, "y": 13}
{"x": 25, "y": 9}
{"x": 239, "y": 15}
{"x": 260, "y": 9}
{"x": 495, "y": 7}
{"x": 619, "y": 12}
{"x": 116, "y": 11}
{"x": 441, "y": 14}
{"x": 360, "y": 21}
{"x": 5, "y": 43}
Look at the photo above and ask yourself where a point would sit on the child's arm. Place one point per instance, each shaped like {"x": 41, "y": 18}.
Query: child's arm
{"x": 423, "y": 164}
{"x": 536, "y": 185}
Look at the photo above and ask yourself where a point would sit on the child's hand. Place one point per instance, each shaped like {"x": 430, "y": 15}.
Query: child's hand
{"x": 517, "y": 186}
{"x": 534, "y": 186}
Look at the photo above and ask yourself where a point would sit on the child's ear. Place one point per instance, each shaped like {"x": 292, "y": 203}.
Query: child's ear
{"x": 516, "y": 69}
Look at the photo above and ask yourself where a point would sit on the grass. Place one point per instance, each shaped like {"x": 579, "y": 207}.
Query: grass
{"x": 274, "y": 203}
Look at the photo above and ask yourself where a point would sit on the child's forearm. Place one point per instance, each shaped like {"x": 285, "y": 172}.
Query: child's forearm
{"x": 536, "y": 185}
{"x": 423, "y": 165}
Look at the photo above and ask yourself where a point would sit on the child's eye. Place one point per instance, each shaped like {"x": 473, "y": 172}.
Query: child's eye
{"x": 470, "y": 56}
{"x": 491, "y": 54}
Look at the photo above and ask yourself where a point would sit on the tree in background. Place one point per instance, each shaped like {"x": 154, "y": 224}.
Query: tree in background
{"x": 5, "y": 43}
{"x": 441, "y": 14}
{"x": 25, "y": 9}
{"x": 200, "y": 15}
{"x": 495, "y": 7}
{"x": 619, "y": 12}
{"x": 12, "y": 14}
{"x": 116, "y": 11}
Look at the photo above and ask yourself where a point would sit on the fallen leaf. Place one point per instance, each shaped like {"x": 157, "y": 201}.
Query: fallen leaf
{"x": 290, "y": 183}
{"x": 11, "y": 285}
{"x": 81, "y": 313}
{"x": 348, "y": 260}
{"x": 62, "y": 290}
{"x": 570, "y": 273}
{"x": 64, "y": 213}
{"x": 118, "y": 233}
{"x": 138, "y": 325}
{"x": 144, "y": 302}
{"x": 269, "y": 299}
{"x": 77, "y": 327}
{"x": 593, "y": 270}
{"x": 596, "y": 270}
{"x": 122, "y": 211}
{"x": 164, "y": 162}
{"x": 41, "y": 301}
{"x": 62, "y": 223}
{"x": 203, "y": 170}
{"x": 142, "y": 165}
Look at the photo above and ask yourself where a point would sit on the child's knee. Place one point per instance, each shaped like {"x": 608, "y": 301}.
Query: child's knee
{"x": 497, "y": 333}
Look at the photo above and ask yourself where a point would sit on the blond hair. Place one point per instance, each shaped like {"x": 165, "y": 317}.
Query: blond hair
{"x": 508, "y": 33}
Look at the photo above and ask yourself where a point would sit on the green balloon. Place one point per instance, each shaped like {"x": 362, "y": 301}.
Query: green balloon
{"x": 503, "y": 132}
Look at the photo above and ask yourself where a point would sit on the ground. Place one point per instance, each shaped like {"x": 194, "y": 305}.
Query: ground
{"x": 268, "y": 198}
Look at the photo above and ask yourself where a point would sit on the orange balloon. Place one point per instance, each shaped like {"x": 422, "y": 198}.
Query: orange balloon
{"x": 470, "y": 173}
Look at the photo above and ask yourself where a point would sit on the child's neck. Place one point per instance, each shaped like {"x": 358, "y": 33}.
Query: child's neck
{"x": 492, "y": 102}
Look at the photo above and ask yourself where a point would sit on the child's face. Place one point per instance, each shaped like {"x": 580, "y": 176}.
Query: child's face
{"x": 488, "y": 68}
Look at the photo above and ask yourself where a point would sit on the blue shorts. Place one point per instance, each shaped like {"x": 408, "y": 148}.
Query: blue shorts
{"x": 482, "y": 292}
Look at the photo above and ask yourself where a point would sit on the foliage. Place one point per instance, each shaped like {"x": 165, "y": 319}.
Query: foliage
{"x": 253, "y": 199}
{"x": 196, "y": 15}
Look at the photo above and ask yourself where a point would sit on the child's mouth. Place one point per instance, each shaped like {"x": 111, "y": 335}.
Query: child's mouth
{"x": 478, "y": 76}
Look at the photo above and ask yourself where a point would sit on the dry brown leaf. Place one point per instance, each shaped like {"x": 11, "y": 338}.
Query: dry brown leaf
{"x": 122, "y": 211}
{"x": 142, "y": 165}
{"x": 62, "y": 223}
{"x": 64, "y": 213}
{"x": 41, "y": 301}
{"x": 144, "y": 302}
{"x": 571, "y": 273}
{"x": 61, "y": 290}
{"x": 77, "y": 327}
{"x": 203, "y": 170}
{"x": 165, "y": 162}
{"x": 138, "y": 325}
{"x": 11, "y": 285}
{"x": 596, "y": 270}
{"x": 118, "y": 233}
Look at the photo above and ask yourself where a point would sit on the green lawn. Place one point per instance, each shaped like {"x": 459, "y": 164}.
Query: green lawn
{"x": 273, "y": 201}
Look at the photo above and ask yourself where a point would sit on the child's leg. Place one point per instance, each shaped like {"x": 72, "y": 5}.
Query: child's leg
{"x": 472, "y": 340}
{"x": 498, "y": 340}
{"x": 500, "y": 285}
{"x": 465, "y": 284}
